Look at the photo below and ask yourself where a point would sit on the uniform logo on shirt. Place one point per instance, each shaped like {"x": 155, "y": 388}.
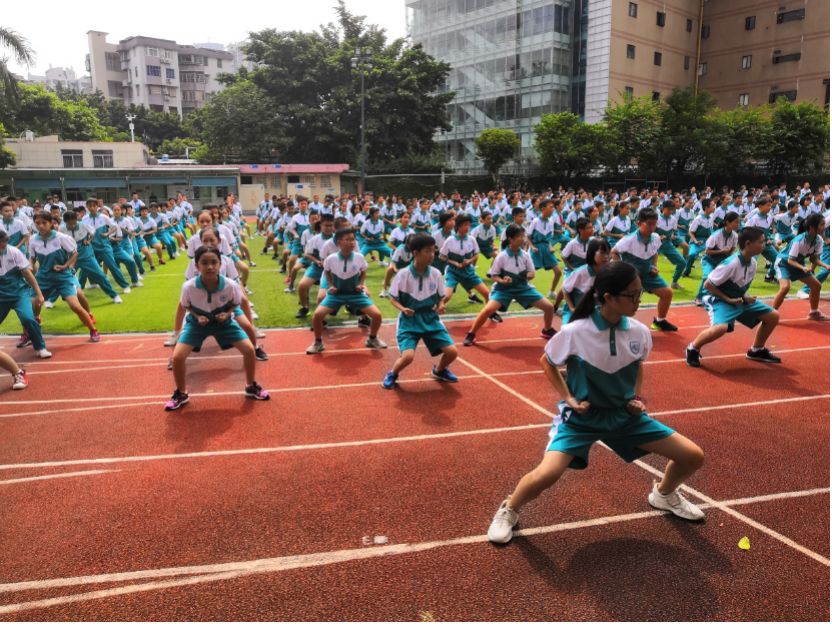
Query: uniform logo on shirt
{"x": 635, "y": 347}
{"x": 223, "y": 298}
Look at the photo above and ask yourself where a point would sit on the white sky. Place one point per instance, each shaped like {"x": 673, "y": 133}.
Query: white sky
{"x": 57, "y": 29}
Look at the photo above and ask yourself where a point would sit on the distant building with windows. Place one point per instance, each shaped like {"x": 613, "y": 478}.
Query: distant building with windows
{"x": 61, "y": 78}
{"x": 159, "y": 74}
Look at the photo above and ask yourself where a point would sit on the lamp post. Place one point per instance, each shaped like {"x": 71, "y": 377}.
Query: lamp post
{"x": 360, "y": 61}
{"x": 130, "y": 118}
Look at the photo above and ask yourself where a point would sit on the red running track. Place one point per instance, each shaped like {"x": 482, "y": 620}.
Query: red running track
{"x": 234, "y": 510}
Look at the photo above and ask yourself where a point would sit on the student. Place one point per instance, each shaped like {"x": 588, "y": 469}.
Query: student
{"x": 484, "y": 234}
{"x": 148, "y": 229}
{"x": 761, "y": 219}
{"x": 86, "y": 265}
{"x": 581, "y": 280}
{"x": 641, "y": 249}
{"x": 511, "y": 273}
{"x": 345, "y": 273}
{"x": 372, "y": 237}
{"x": 295, "y": 228}
{"x": 699, "y": 231}
{"x": 400, "y": 232}
{"x": 422, "y": 217}
{"x": 718, "y": 247}
{"x": 303, "y": 262}
{"x": 14, "y": 226}
{"x": 102, "y": 227}
{"x": 315, "y": 270}
{"x": 211, "y": 300}
{"x": 139, "y": 244}
{"x": 56, "y": 254}
{"x": 401, "y": 260}
{"x": 603, "y": 349}
{"x": 619, "y": 225}
{"x": 666, "y": 227}
{"x": 574, "y": 254}
{"x": 417, "y": 293}
{"x": 122, "y": 247}
{"x": 541, "y": 235}
{"x": 16, "y": 280}
{"x": 20, "y": 380}
{"x": 460, "y": 254}
{"x": 790, "y": 264}
{"x": 823, "y": 274}
{"x": 727, "y": 301}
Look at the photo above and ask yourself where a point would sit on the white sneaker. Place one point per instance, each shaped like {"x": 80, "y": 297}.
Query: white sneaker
{"x": 43, "y": 354}
{"x": 254, "y": 315}
{"x": 384, "y": 294}
{"x": 260, "y": 335}
{"x": 90, "y": 286}
{"x": 117, "y": 299}
{"x": 288, "y": 290}
{"x": 137, "y": 284}
{"x": 127, "y": 291}
{"x": 675, "y": 503}
{"x": 817, "y": 315}
{"x": 802, "y": 295}
{"x": 171, "y": 341}
{"x": 551, "y": 294}
{"x": 500, "y": 531}
{"x": 49, "y": 305}
{"x": 248, "y": 291}
{"x": 384, "y": 264}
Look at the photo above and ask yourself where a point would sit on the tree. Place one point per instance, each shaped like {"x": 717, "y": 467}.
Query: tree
{"x": 7, "y": 156}
{"x": 799, "y": 140}
{"x": 22, "y": 53}
{"x": 685, "y": 127}
{"x": 635, "y": 130}
{"x": 495, "y": 147}
{"x": 179, "y": 147}
{"x": 42, "y": 111}
{"x": 567, "y": 146}
{"x": 734, "y": 139}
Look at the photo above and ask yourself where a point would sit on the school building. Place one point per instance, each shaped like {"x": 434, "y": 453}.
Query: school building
{"x": 289, "y": 180}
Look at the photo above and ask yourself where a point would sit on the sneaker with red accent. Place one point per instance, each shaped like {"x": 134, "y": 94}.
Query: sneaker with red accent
{"x": 95, "y": 336}
{"x": 24, "y": 341}
{"x": 254, "y": 391}
{"x": 21, "y": 380}
{"x": 176, "y": 401}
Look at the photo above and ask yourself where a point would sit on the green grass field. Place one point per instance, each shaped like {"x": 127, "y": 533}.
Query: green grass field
{"x": 151, "y": 308}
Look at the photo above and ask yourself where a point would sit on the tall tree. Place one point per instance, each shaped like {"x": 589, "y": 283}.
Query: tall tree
{"x": 21, "y": 51}
{"x": 799, "y": 140}
{"x": 567, "y": 146}
{"x": 7, "y": 156}
{"x": 495, "y": 147}
{"x": 42, "y": 111}
{"x": 634, "y": 130}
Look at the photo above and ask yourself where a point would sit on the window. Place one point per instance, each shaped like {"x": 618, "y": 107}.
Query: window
{"x": 73, "y": 159}
{"x": 628, "y": 91}
{"x": 689, "y": 25}
{"x": 136, "y": 69}
{"x": 633, "y": 10}
{"x": 137, "y": 90}
{"x": 657, "y": 58}
{"x": 791, "y": 96}
{"x": 102, "y": 159}
{"x": 656, "y": 96}
{"x": 170, "y": 74}
{"x": 785, "y": 58}
{"x": 791, "y": 16}
{"x": 325, "y": 181}
{"x": 113, "y": 61}
{"x": 631, "y": 51}
{"x": 703, "y": 69}
{"x": 153, "y": 51}
{"x": 114, "y": 88}
{"x": 661, "y": 17}
{"x": 706, "y": 31}
{"x": 219, "y": 63}
{"x": 751, "y": 22}
{"x": 745, "y": 63}
{"x": 154, "y": 70}
{"x": 743, "y": 99}
{"x": 687, "y": 63}
{"x": 293, "y": 179}
{"x": 167, "y": 54}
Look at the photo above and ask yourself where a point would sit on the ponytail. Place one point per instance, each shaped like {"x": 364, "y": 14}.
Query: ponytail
{"x": 585, "y": 306}
{"x": 813, "y": 220}
{"x": 512, "y": 231}
{"x": 612, "y": 279}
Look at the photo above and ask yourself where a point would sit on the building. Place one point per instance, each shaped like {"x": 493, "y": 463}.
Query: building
{"x": 61, "y": 78}
{"x": 515, "y": 60}
{"x": 289, "y": 180}
{"x": 159, "y": 74}
{"x": 239, "y": 59}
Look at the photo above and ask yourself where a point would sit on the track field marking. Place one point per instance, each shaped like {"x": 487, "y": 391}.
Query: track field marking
{"x": 224, "y": 571}
{"x": 369, "y": 442}
{"x": 753, "y": 523}
{"x": 60, "y": 475}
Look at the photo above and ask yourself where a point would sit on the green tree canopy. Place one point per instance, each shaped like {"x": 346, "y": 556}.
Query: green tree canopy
{"x": 42, "y": 111}
{"x": 567, "y": 146}
{"x": 495, "y": 147}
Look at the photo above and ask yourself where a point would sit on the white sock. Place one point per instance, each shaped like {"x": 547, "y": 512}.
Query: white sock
{"x": 659, "y": 319}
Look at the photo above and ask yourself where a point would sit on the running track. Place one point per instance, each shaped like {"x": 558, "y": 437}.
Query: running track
{"x": 234, "y": 510}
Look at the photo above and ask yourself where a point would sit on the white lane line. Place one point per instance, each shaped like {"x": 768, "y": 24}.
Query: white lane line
{"x": 753, "y": 523}
{"x": 200, "y": 574}
{"x": 370, "y": 442}
{"x": 62, "y": 475}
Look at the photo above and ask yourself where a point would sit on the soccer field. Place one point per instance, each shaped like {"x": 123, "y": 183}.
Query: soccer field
{"x": 151, "y": 308}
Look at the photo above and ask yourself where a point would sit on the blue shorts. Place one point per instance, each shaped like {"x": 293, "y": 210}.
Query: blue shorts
{"x": 151, "y": 240}
{"x": 356, "y": 302}
{"x": 650, "y": 282}
{"x": 468, "y": 282}
{"x": 724, "y": 313}
{"x": 787, "y": 272}
{"x": 619, "y": 430}
{"x": 227, "y": 334}
{"x": 435, "y": 341}
{"x": 526, "y": 298}
{"x": 314, "y": 272}
{"x": 543, "y": 258}
{"x": 59, "y": 288}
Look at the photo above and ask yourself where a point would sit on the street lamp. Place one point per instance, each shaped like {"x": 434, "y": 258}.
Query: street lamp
{"x": 130, "y": 118}
{"x": 360, "y": 61}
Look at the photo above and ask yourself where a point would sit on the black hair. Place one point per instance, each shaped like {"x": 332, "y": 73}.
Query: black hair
{"x": 518, "y": 210}
{"x": 762, "y": 201}
{"x": 512, "y": 231}
{"x": 6, "y": 202}
{"x": 69, "y": 215}
{"x": 445, "y": 217}
{"x": 612, "y": 279}
{"x": 647, "y": 214}
{"x": 213, "y": 229}
{"x": 708, "y": 201}
{"x": 91, "y": 201}
{"x": 126, "y": 206}
{"x": 791, "y": 204}
{"x": 374, "y": 210}
{"x": 342, "y": 232}
{"x": 339, "y": 221}
{"x": 731, "y": 216}
{"x": 581, "y": 223}
{"x": 4, "y": 238}
{"x": 461, "y": 220}
{"x": 204, "y": 249}
{"x": 596, "y": 244}
{"x": 749, "y": 235}
{"x": 485, "y": 213}
{"x": 417, "y": 242}
{"x": 42, "y": 215}
{"x": 813, "y": 220}
{"x": 668, "y": 203}
{"x": 326, "y": 217}
{"x": 545, "y": 203}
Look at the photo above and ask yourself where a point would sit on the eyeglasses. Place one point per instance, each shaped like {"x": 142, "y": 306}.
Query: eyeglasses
{"x": 636, "y": 296}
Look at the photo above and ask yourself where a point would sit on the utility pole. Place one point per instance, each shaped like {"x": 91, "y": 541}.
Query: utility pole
{"x": 130, "y": 118}
{"x": 359, "y": 61}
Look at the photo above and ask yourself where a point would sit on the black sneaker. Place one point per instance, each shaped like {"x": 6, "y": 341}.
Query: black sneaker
{"x": 470, "y": 338}
{"x": 770, "y": 279}
{"x": 547, "y": 332}
{"x": 664, "y": 325}
{"x": 302, "y": 313}
{"x": 762, "y": 355}
{"x": 496, "y": 318}
{"x": 255, "y": 391}
{"x": 176, "y": 401}
{"x": 364, "y": 321}
{"x": 692, "y": 357}
{"x": 472, "y": 298}
{"x": 261, "y": 355}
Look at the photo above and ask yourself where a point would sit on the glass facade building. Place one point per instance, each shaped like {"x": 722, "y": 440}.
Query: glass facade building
{"x": 512, "y": 62}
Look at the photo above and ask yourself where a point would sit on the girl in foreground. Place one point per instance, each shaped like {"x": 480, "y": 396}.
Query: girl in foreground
{"x": 603, "y": 348}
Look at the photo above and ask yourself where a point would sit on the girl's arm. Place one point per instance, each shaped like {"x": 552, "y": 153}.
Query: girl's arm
{"x": 30, "y": 279}
{"x": 559, "y": 384}
{"x": 23, "y": 241}
{"x": 714, "y": 290}
{"x": 567, "y": 299}
{"x": 794, "y": 263}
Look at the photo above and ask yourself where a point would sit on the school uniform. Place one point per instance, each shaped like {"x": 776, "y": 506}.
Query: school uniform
{"x": 784, "y": 227}
{"x": 517, "y": 266}
{"x": 198, "y": 300}
{"x": 101, "y": 226}
{"x": 576, "y": 285}
{"x": 17, "y": 230}
{"x": 618, "y": 225}
{"x": 484, "y": 237}
{"x": 227, "y": 270}
{"x": 346, "y": 272}
{"x": 123, "y": 248}
{"x": 388, "y": 216}
{"x": 541, "y": 236}
{"x": 602, "y": 363}
{"x": 733, "y": 277}
{"x": 475, "y": 214}
{"x": 398, "y": 235}
{"x": 313, "y": 248}
{"x": 147, "y": 227}
{"x": 799, "y": 249}
{"x": 718, "y": 240}
{"x": 15, "y": 294}
{"x": 86, "y": 266}
{"x": 640, "y": 253}
{"x": 55, "y": 249}
{"x": 440, "y": 236}
{"x": 666, "y": 227}
{"x": 459, "y": 249}
{"x": 372, "y": 234}
{"x": 700, "y": 229}
{"x": 574, "y": 254}
{"x": 421, "y": 221}
{"x": 684, "y": 216}
{"x": 402, "y": 257}
{"x": 297, "y": 225}
{"x": 421, "y": 292}
{"x": 763, "y": 222}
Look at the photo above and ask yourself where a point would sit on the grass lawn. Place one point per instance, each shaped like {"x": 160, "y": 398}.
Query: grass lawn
{"x": 151, "y": 308}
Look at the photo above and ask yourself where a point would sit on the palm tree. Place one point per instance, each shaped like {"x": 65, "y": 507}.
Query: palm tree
{"x": 22, "y": 52}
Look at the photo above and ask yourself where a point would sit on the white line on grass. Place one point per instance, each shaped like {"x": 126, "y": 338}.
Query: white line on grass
{"x": 200, "y": 574}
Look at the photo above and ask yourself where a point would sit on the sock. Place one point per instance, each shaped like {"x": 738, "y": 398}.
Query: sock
{"x": 660, "y": 319}
{"x": 690, "y": 346}
{"x": 756, "y": 349}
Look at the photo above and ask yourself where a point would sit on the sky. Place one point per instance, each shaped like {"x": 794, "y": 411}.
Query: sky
{"x": 57, "y": 30}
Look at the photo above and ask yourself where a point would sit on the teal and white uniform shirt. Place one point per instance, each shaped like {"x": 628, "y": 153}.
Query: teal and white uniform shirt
{"x": 799, "y": 249}
{"x": 684, "y": 216}
{"x": 55, "y": 249}
{"x": 666, "y": 226}
{"x": 717, "y": 217}
{"x": 373, "y": 231}
{"x": 484, "y": 236}
{"x": 759, "y": 221}
{"x": 517, "y": 266}
{"x": 82, "y": 234}
{"x": 314, "y": 247}
{"x": 120, "y": 235}
{"x": 618, "y": 225}
{"x": 784, "y": 225}
{"x": 421, "y": 292}
{"x": 602, "y": 365}
{"x": 640, "y": 252}
{"x": 422, "y": 221}
{"x": 720, "y": 240}
{"x": 16, "y": 229}
{"x": 12, "y": 283}
{"x": 345, "y": 271}
{"x": 227, "y": 270}
{"x": 402, "y": 257}
{"x": 398, "y": 235}
{"x": 700, "y": 227}
{"x": 137, "y": 204}
{"x": 316, "y": 206}
{"x": 440, "y": 236}
{"x": 474, "y": 213}
{"x": 460, "y": 249}
{"x": 577, "y": 284}
{"x": 572, "y": 217}
{"x": 194, "y": 243}
{"x": 541, "y": 235}
{"x": 146, "y": 225}
{"x": 197, "y": 299}
{"x": 297, "y": 225}
{"x": 574, "y": 253}
{"x": 734, "y": 277}
{"x": 101, "y": 226}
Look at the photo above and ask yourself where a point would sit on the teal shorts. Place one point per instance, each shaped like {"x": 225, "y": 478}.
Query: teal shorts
{"x": 59, "y": 288}
{"x": 314, "y": 272}
{"x": 468, "y": 282}
{"x": 787, "y": 272}
{"x": 435, "y": 340}
{"x": 227, "y": 334}
{"x": 151, "y": 240}
{"x": 650, "y": 282}
{"x": 356, "y": 302}
{"x": 723, "y": 313}
{"x": 526, "y": 297}
{"x": 622, "y": 432}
